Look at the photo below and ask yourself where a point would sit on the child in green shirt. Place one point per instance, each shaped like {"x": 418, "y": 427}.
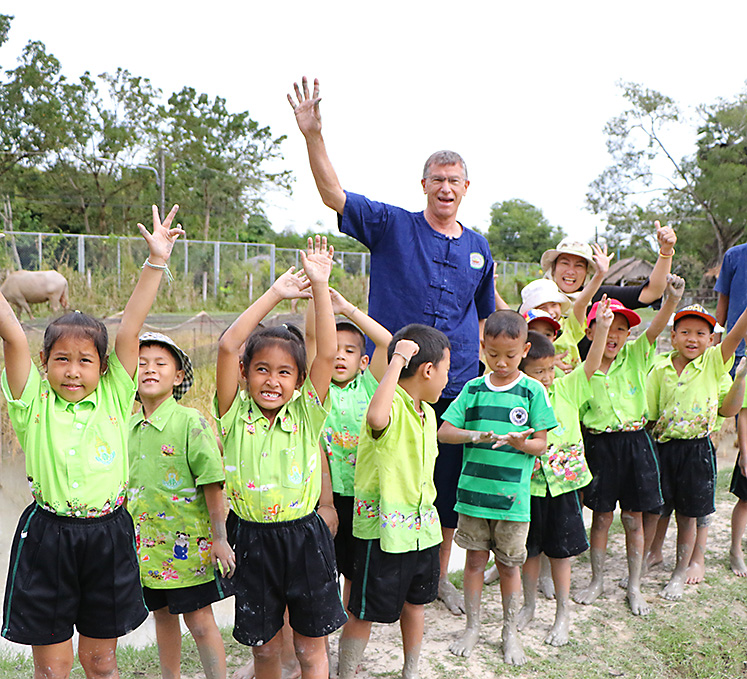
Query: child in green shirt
{"x": 619, "y": 452}
{"x": 72, "y": 428}
{"x": 284, "y": 551}
{"x": 176, "y": 501}
{"x": 396, "y": 569}
{"x": 557, "y": 525}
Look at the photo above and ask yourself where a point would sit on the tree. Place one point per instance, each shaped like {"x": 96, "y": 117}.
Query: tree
{"x": 217, "y": 161}
{"x": 702, "y": 194}
{"x": 520, "y": 232}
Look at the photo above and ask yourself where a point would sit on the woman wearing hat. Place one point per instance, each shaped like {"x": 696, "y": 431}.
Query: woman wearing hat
{"x": 571, "y": 262}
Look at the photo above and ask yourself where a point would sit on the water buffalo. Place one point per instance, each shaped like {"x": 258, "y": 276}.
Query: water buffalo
{"x": 22, "y": 288}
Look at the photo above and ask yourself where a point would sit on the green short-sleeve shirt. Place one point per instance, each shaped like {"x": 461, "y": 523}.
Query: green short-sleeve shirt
{"x": 563, "y": 467}
{"x": 76, "y": 453}
{"x": 347, "y": 410}
{"x": 685, "y": 406}
{"x": 172, "y": 454}
{"x": 394, "y": 489}
{"x": 618, "y": 399}
{"x": 572, "y": 332}
{"x": 494, "y": 483}
{"x": 272, "y": 471}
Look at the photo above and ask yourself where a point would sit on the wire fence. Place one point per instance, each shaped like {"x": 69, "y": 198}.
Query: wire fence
{"x": 211, "y": 265}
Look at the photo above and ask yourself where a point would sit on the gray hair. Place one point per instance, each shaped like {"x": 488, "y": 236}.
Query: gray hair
{"x": 444, "y": 158}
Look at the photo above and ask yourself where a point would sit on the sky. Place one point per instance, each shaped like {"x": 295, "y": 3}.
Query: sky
{"x": 521, "y": 90}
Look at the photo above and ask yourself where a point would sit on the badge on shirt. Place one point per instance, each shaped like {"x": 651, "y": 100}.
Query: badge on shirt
{"x": 518, "y": 417}
{"x": 476, "y": 260}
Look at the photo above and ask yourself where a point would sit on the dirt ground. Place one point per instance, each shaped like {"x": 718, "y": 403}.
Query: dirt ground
{"x": 384, "y": 653}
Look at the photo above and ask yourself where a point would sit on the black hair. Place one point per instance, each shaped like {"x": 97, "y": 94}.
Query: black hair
{"x": 171, "y": 350}
{"x": 287, "y": 336}
{"x": 541, "y": 347}
{"x": 433, "y": 343}
{"x": 347, "y": 326}
{"x": 506, "y": 322}
{"x": 78, "y": 325}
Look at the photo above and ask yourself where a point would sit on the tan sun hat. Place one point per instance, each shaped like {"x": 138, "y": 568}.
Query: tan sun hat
{"x": 540, "y": 292}
{"x": 568, "y": 246}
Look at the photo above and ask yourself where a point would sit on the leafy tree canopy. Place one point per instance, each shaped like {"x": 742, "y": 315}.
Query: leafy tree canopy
{"x": 519, "y": 231}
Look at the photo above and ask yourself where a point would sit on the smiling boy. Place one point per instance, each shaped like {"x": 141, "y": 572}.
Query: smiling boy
{"x": 683, "y": 403}
{"x": 619, "y": 452}
{"x": 176, "y": 501}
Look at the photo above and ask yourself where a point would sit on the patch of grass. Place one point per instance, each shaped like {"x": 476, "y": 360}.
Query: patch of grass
{"x": 14, "y": 665}
{"x": 457, "y": 578}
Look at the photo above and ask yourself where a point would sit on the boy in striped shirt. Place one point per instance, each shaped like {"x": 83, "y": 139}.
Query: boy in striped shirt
{"x": 502, "y": 419}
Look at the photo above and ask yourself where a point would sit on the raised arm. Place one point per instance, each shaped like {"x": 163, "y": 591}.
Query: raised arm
{"x": 735, "y": 335}
{"x": 309, "y": 121}
{"x": 290, "y": 285}
{"x": 602, "y": 261}
{"x": 657, "y": 281}
{"x": 15, "y": 349}
{"x": 317, "y": 266}
{"x": 734, "y": 398}
{"x": 380, "y": 408}
{"x": 672, "y": 296}
{"x": 596, "y": 351}
{"x": 379, "y": 335}
{"x": 160, "y": 244}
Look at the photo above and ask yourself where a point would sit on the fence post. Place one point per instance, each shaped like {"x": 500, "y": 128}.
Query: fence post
{"x": 216, "y": 267}
{"x": 504, "y": 271}
{"x": 272, "y": 263}
{"x": 246, "y": 253}
{"x": 81, "y": 254}
{"x": 186, "y": 258}
{"x": 39, "y": 249}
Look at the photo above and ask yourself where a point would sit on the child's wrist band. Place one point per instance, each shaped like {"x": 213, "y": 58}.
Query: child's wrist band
{"x": 354, "y": 309}
{"x": 671, "y": 254}
{"x": 406, "y": 360}
{"x": 159, "y": 267}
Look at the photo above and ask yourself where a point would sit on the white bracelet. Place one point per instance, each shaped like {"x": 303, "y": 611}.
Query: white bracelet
{"x": 159, "y": 267}
{"x": 407, "y": 360}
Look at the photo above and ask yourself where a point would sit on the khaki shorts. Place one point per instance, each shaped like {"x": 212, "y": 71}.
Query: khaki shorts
{"x": 506, "y": 539}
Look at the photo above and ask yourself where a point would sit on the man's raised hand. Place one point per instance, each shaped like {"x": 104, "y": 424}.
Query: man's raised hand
{"x": 306, "y": 107}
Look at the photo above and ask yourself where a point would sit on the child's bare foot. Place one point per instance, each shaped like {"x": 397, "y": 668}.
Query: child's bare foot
{"x": 674, "y": 588}
{"x": 491, "y": 575}
{"x": 558, "y": 635}
{"x": 591, "y": 593}
{"x": 513, "y": 653}
{"x": 525, "y": 616}
{"x": 464, "y": 645}
{"x": 245, "y": 671}
{"x": 545, "y": 583}
{"x": 736, "y": 561}
{"x": 695, "y": 573}
{"x": 449, "y": 594}
{"x": 638, "y": 605}
{"x": 653, "y": 559}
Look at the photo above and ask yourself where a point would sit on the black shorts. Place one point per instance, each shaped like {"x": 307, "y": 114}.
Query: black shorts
{"x": 557, "y": 527}
{"x": 738, "y": 485}
{"x": 285, "y": 564}
{"x": 625, "y": 469}
{"x": 66, "y": 572}
{"x": 188, "y": 599}
{"x": 447, "y": 471}
{"x": 688, "y": 476}
{"x": 344, "y": 540}
{"x": 383, "y": 582}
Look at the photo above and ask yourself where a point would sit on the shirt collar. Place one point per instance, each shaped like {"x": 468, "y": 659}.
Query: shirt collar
{"x": 353, "y": 383}
{"x": 159, "y": 418}
{"x": 696, "y": 363}
{"x": 253, "y": 414}
{"x": 90, "y": 401}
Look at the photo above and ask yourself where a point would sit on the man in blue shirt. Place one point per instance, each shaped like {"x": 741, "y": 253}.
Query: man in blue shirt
{"x": 425, "y": 268}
